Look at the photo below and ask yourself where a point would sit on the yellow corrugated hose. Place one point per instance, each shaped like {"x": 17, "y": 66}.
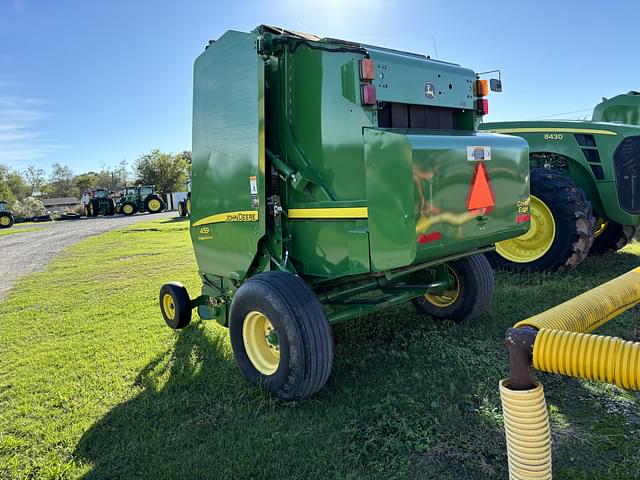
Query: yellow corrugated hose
{"x": 588, "y": 311}
{"x": 594, "y": 357}
{"x": 526, "y": 425}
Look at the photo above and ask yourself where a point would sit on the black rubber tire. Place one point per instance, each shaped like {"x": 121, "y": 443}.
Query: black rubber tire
{"x": 182, "y": 209}
{"x": 95, "y": 207}
{"x": 111, "y": 208}
{"x": 122, "y": 209}
{"x": 188, "y": 204}
{"x": 305, "y": 336}
{"x": 574, "y": 222}
{"x": 181, "y": 302}
{"x": 613, "y": 238}
{"x": 11, "y": 219}
{"x": 477, "y": 285}
{"x": 149, "y": 199}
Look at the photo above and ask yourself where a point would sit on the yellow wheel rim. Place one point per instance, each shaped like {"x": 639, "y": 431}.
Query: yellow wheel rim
{"x": 449, "y": 296}
{"x": 601, "y": 226}
{"x": 536, "y": 242}
{"x": 261, "y": 342}
{"x": 188, "y": 206}
{"x": 4, "y": 221}
{"x": 127, "y": 209}
{"x": 168, "y": 307}
{"x": 154, "y": 204}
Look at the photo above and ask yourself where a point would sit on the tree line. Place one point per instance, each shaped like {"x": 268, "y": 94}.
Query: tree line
{"x": 168, "y": 172}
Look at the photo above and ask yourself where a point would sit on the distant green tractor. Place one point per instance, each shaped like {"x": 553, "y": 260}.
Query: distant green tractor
{"x": 100, "y": 204}
{"x": 6, "y": 216}
{"x": 140, "y": 199}
{"x": 585, "y": 186}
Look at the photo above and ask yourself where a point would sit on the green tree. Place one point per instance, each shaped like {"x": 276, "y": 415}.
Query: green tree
{"x": 113, "y": 177}
{"x": 61, "y": 182}
{"x": 86, "y": 181}
{"x": 6, "y": 194}
{"x": 18, "y": 185}
{"x": 168, "y": 172}
{"x": 35, "y": 179}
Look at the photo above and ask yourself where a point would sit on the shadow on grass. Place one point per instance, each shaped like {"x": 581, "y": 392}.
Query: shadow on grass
{"x": 175, "y": 220}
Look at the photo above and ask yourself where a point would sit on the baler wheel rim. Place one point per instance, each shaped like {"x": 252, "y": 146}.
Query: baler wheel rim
{"x": 168, "y": 306}
{"x": 449, "y": 296}
{"x": 260, "y": 342}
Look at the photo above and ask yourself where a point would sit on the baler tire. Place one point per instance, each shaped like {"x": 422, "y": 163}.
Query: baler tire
{"x": 475, "y": 284}
{"x": 573, "y": 219}
{"x": 304, "y": 345}
{"x": 8, "y": 223}
{"x": 614, "y": 237}
{"x": 175, "y": 305}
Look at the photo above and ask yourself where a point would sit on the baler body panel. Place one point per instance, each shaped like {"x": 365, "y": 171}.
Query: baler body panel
{"x": 228, "y": 206}
{"x": 406, "y": 78}
{"x": 418, "y": 187}
{"x": 603, "y": 159}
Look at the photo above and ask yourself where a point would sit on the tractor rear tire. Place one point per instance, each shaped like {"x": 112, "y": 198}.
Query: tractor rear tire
{"x": 280, "y": 335}
{"x": 111, "y": 208}
{"x": 6, "y": 220}
{"x": 613, "y": 237}
{"x": 175, "y": 305}
{"x": 128, "y": 209}
{"x": 182, "y": 209}
{"x": 153, "y": 204}
{"x": 95, "y": 208}
{"x": 468, "y": 298}
{"x": 561, "y": 230}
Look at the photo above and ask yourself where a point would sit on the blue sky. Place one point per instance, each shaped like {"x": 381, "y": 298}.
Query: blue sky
{"x": 91, "y": 82}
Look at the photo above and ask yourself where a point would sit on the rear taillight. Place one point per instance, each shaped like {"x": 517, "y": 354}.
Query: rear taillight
{"x": 368, "y": 94}
{"x": 482, "y": 106}
{"x": 367, "y": 69}
{"x": 367, "y": 74}
{"x": 482, "y": 90}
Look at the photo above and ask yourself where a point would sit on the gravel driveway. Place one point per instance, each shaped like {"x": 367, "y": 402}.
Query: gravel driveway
{"x": 31, "y": 251}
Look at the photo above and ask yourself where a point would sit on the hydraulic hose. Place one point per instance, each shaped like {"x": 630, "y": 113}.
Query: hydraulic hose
{"x": 592, "y": 309}
{"x": 593, "y": 357}
{"x": 526, "y": 425}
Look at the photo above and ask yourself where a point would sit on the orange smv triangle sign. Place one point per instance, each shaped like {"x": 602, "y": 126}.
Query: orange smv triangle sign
{"x": 481, "y": 195}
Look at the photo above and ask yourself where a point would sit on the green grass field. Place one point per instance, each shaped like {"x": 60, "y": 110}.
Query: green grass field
{"x": 12, "y": 231}
{"x": 94, "y": 385}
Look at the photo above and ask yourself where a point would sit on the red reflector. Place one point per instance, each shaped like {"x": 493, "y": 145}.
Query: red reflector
{"x": 480, "y": 195}
{"x": 523, "y": 218}
{"x": 367, "y": 69}
{"x": 482, "y": 106}
{"x": 368, "y": 93}
{"x": 429, "y": 237}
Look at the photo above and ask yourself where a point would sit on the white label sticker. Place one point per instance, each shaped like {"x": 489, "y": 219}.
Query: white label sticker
{"x": 253, "y": 185}
{"x": 478, "y": 154}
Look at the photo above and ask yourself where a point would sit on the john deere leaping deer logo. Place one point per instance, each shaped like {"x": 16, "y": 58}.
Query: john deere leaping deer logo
{"x": 429, "y": 91}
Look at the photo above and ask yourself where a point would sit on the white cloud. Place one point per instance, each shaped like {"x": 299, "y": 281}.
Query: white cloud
{"x": 20, "y": 135}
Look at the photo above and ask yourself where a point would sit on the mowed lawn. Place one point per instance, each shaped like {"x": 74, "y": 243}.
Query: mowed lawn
{"x": 94, "y": 385}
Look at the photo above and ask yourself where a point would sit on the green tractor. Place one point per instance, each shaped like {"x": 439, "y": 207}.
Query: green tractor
{"x": 100, "y": 203}
{"x": 333, "y": 179}
{"x": 6, "y": 216}
{"x": 184, "y": 206}
{"x": 585, "y": 186}
{"x": 140, "y": 199}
